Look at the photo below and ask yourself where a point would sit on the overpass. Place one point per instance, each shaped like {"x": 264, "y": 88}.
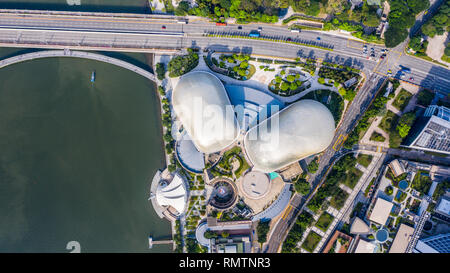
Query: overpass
{"x": 76, "y": 54}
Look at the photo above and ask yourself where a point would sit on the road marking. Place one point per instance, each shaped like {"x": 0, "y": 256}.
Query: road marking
{"x": 286, "y": 212}
{"x": 89, "y": 20}
{"x": 337, "y": 142}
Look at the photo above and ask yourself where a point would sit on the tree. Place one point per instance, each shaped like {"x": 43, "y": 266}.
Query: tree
{"x": 394, "y": 36}
{"x": 389, "y": 190}
{"x": 225, "y": 234}
{"x": 284, "y": 86}
{"x": 404, "y": 124}
{"x": 302, "y": 186}
{"x": 210, "y": 234}
{"x": 160, "y": 71}
{"x": 182, "y": 9}
{"x": 313, "y": 166}
{"x": 262, "y": 229}
{"x": 313, "y": 9}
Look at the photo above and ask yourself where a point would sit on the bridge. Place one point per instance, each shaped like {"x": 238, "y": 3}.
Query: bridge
{"x": 164, "y": 34}
{"x": 77, "y": 54}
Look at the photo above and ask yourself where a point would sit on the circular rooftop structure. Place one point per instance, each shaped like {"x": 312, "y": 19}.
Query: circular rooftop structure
{"x": 256, "y": 184}
{"x": 302, "y": 129}
{"x": 403, "y": 184}
{"x": 224, "y": 194}
{"x": 382, "y": 235}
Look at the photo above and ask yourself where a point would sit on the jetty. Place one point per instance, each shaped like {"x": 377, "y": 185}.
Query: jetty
{"x": 151, "y": 242}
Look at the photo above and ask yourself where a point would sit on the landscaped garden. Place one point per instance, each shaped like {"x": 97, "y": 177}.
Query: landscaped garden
{"x": 180, "y": 65}
{"x": 311, "y": 241}
{"x": 364, "y": 159}
{"x": 342, "y": 172}
{"x": 374, "y": 109}
{"x": 225, "y": 165}
{"x": 377, "y": 137}
{"x": 339, "y": 198}
{"x": 402, "y": 99}
{"x": 288, "y": 84}
{"x": 422, "y": 182}
{"x": 324, "y": 221}
{"x": 236, "y": 66}
{"x": 304, "y": 220}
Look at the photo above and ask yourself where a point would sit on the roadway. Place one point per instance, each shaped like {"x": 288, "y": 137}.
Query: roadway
{"x": 136, "y": 33}
{"x": 333, "y": 152}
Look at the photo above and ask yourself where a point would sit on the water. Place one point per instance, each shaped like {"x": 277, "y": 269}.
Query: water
{"x": 77, "y": 158}
{"x": 133, "y": 6}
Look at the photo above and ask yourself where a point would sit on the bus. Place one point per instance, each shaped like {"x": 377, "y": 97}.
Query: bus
{"x": 221, "y": 24}
{"x": 254, "y": 34}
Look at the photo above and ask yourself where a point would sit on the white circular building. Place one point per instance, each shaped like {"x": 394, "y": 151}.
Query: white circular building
{"x": 302, "y": 129}
{"x": 203, "y": 107}
{"x": 173, "y": 194}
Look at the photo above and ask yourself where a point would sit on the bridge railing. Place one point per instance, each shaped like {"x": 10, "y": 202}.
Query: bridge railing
{"x": 94, "y": 14}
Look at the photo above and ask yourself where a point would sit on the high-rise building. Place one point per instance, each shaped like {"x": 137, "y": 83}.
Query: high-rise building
{"x": 431, "y": 132}
{"x": 434, "y": 244}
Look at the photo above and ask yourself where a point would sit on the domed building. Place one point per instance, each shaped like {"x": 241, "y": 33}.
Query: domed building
{"x": 302, "y": 129}
{"x": 203, "y": 107}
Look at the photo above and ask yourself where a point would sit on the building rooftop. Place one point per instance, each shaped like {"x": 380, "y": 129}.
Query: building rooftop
{"x": 301, "y": 129}
{"x": 364, "y": 246}
{"x": 256, "y": 184}
{"x": 397, "y": 167}
{"x": 203, "y": 107}
{"x": 381, "y": 211}
{"x": 402, "y": 239}
{"x": 359, "y": 227}
{"x": 173, "y": 194}
{"x": 444, "y": 205}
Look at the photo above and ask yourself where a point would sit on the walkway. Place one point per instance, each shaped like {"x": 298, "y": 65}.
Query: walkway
{"x": 76, "y": 54}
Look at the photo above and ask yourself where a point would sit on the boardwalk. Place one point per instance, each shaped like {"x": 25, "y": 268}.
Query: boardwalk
{"x": 77, "y": 54}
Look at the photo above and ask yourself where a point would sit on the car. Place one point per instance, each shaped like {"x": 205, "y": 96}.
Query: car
{"x": 289, "y": 39}
{"x": 382, "y": 56}
{"x": 239, "y": 27}
{"x": 318, "y": 38}
{"x": 365, "y": 46}
{"x": 411, "y": 78}
{"x": 383, "y": 50}
{"x": 163, "y": 27}
{"x": 259, "y": 29}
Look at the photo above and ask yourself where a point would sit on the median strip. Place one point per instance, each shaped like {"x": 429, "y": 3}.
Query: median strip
{"x": 267, "y": 39}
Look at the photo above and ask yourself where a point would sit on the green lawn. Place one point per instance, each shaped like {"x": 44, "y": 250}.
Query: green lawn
{"x": 364, "y": 159}
{"x": 338, "y": 199}
{"x": 324, "y": 221}
{"x": 377, "y": 137}
{"x": 422, "y": 182}
{"x": 402, "y": 99}
{"x": 311, "y": 241}
{"x": 389, "y": 121}
{"x": 352, "y": 177}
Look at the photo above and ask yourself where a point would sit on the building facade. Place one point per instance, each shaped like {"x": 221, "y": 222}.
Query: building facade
{"x": 431, "y": 132}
